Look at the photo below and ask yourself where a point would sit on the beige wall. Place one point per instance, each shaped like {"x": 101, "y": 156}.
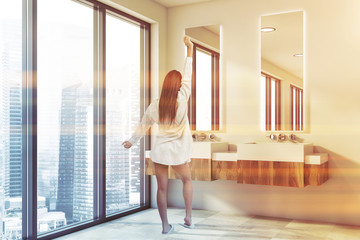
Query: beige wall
{"x": 332, "y": 36}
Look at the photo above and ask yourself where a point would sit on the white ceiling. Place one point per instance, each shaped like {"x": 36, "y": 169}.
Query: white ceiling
{"x": 175, "y": 3}
{"x": 278, "y": 47}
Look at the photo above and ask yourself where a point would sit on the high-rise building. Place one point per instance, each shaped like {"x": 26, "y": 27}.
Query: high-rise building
{"x": 4, "y": 139}
{"x": 13, "y": 184}
{"x": 135, "y": 175}
{"x": 122, "y": 117}
{"x": 83, "y": 163}
{"x": 10, "y": 118}
{"x": 65, "y": 192}
{"x": 11, "y": 79}
{"x": 75, "y": 184}
{"x": 48, "y": 139}
{"x": 1, "y": 211}
{"x": 117, "y": 158}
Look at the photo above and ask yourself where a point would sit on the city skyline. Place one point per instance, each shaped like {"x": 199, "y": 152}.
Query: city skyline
{"x": 65, "y": 122}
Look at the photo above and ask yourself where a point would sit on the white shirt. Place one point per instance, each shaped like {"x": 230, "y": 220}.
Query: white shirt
{"x": 172, "y": 145}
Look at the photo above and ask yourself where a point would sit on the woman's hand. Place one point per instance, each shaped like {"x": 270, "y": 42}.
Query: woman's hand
{"x": 188, "y": 42}
{"x": 189, "y": 45}
{"x": 127, "y": 144}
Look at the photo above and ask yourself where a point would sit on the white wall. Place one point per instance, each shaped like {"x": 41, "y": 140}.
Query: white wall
{"x": 332, "y": 82}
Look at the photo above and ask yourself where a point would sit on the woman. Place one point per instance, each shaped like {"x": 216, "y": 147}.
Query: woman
{"x": 172, "y": 146}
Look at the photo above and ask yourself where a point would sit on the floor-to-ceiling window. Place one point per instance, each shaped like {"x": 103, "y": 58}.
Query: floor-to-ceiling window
{"x": 11, "y": 140}
{"x": 65, "y": 113}
{"x": 123, "y": 106}
{"x": 80, "y": 71}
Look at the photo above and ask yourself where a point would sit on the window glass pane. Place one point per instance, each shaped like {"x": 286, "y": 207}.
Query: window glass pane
{"x": 65, "y": 113}
{"x": 10, "y": 119}
{"x": 123, "y": 102}
{"x": 203, "y": 91}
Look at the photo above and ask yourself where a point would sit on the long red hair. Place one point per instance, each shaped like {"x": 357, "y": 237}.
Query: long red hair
{"x": 168, "y": 97}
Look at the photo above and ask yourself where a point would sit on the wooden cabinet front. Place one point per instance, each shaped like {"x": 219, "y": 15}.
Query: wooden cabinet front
{"x": 275, "y": 173}
{"x": 224, "y": 170}
{"x": 289, "y": 174}
{"x": 316, "y": 175}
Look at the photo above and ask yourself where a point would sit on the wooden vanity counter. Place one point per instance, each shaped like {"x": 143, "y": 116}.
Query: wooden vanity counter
{"x": 224, "y": 166}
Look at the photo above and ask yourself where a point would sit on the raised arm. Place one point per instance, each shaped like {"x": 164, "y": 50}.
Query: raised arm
{"x": 189, "y": 46}
{"x": 185, "y": 89}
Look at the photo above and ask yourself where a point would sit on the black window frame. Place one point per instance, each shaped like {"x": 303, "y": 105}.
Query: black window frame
{"x": 29, "y": 119}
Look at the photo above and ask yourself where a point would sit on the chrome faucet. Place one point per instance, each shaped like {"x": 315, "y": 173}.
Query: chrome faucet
{"x": 281, "y": 137}
{"x": 292, "y": 137}
{"x": 272, "y": 136}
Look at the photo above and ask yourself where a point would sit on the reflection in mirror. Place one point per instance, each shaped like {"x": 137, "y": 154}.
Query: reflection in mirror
{"x": 282, "y": 72}
{"x": 204, "y": 100}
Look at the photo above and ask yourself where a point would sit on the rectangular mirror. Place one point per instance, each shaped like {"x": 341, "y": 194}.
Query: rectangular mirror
{"x": 282, "y": 72}
{"x": 204, "y": 100}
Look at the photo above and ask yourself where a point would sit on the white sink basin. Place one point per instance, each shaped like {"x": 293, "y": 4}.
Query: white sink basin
{"x": 205, "y": 149}
{"x": 284, "y": 152}
{"x": 224, "y": 156}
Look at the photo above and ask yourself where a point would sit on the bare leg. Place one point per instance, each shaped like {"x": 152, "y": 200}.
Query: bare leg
{"x": 161, "y": 172}
{"x": 183, "y": 171}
